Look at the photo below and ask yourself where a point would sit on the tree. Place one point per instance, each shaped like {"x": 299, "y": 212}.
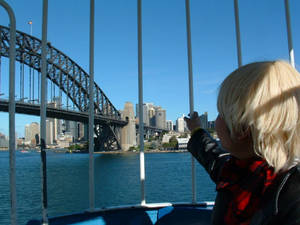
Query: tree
{"x": 185, "y": 135}
{"x": 173, "y": 143}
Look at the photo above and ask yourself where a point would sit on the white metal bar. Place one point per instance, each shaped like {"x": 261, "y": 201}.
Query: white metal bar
{"x": 43, "y": 112}
{"x": 12, "y": 110}
{"x": 191, "y": 88}
{"x": 12, "y": 154}
{"x": 91, "y": 110}
{"x": 289, "y": 33}
{"x": 141, "y": 119}
{"x": 237, "y": 32}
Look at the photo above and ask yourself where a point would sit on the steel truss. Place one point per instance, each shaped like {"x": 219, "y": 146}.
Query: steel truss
{"x": 69, "y": 77}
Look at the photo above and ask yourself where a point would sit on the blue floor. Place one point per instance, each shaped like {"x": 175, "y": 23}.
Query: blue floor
{"x": 171, "y": 215}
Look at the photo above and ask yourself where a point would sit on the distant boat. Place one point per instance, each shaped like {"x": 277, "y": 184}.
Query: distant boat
{"x": 24, "y": 151}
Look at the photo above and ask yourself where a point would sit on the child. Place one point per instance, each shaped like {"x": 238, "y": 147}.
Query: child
{"x": 256, "y": 170}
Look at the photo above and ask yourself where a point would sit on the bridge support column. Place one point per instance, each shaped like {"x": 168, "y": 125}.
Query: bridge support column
{"x": 128, "y": 134}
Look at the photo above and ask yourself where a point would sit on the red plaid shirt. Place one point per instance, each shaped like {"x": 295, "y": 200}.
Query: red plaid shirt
{"x": 247, "y": 181}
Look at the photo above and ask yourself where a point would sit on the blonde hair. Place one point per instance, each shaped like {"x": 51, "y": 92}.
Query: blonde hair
{"x": 264, "y": 97}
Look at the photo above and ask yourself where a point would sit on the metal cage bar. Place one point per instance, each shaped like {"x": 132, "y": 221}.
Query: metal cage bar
{"x": 91, "y": 110}
{"x": 12, "y": 110}
{"x": 191, "y": 88}
{"x": 237, "y": 32}
{"x": 43, "y": 112}
{"x": 140, "y": 85}
{"x": 289, "y": 33}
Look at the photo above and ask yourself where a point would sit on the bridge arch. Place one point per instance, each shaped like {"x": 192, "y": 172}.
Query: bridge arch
{"x": 61, "y": 70}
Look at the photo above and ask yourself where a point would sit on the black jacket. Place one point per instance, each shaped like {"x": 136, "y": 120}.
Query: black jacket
{"x": 282, "y": 203}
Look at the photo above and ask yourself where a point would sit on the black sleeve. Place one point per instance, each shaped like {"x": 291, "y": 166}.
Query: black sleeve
{"x": 208, "y": 153}
{"x": 293, "y": 216}
{"x": 289, "y": 199}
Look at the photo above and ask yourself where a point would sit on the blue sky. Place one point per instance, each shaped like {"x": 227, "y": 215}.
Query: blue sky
{"x": 263, "y": 35}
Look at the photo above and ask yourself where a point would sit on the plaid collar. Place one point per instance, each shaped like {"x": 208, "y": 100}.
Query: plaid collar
{"x": 247, "y": 181}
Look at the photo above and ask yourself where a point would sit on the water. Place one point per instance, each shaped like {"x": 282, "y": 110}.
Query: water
{"x": 168, "y": 179}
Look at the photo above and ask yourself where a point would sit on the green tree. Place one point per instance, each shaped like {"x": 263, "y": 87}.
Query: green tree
{"x": 173, "y": 143}
{"x": 185, "y": 135}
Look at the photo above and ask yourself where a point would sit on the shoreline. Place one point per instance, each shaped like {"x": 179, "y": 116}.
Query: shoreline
{"x": 137, "y": 152}
{"x": 107, "y": 152}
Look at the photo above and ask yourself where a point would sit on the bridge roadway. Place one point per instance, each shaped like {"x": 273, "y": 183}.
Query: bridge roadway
{"x": 72, "y": 115}
{"x": 52, "y": 112}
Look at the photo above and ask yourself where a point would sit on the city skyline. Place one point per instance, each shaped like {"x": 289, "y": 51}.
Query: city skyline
{"x": 164, "y": 46}
{"x": 60, "y": 125}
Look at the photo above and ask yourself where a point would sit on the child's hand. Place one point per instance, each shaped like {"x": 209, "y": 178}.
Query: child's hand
{"x": 193, "y": 122}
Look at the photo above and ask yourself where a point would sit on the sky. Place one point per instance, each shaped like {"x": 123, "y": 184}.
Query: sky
{"x": 165, "y": 65}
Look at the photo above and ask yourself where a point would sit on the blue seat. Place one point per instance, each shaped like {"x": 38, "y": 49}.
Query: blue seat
{"x": 115, "y": 217}
{"x": 184, "y": 215}
{"x": 172, "y": 215}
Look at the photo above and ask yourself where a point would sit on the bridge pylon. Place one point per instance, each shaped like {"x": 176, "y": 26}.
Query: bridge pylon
{"x": 128, "y": 132}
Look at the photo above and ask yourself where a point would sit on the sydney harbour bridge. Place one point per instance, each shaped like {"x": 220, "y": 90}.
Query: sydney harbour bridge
{"x": 66, "y": 81}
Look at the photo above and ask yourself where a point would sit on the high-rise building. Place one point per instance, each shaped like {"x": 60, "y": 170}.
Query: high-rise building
{"x": 57, "y": 123}
{"x": 154, "y": 116}
{"x": 160, "y": 118}
{"x": 180, "y": 124}
{"x": 53, "y": 122}
{"x": 211, "y": 124}
{"x": 151, "y": 114}
{"x": 49, "y": 132}
{"x": 146, "y": 108}
{"x": 73, "y": 129}
{"x": 32, "y": 133}
{"x": 27, "y": 133}
{"x": 80, "y": 129}
{"x": 4, "y": 142}
{"x": 35, "y": 132}
{"x": 169, "y": 125}
{"x": 204, "y": 121}
{"x": 67, "y": 125}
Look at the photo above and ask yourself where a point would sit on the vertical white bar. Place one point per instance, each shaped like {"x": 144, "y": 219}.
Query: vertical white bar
{"x": 237, "y": 32}
{"x": 141, "y": 119}
{"x": 289, "y": 32}
{"x": 91, "y": 110}
{"x": 11, "y": 110}
{"x": 191, "y": 88}
{"x": 43, "y": 112}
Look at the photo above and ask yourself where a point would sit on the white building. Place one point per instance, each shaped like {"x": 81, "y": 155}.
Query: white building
{"x": 180, "y": 124}
{"x": 72, "y": 128}
{"x": 204, "y": 120}
{"x": 27, "y": 133}
{"x": 49, "y": 132}
{"x": 56, "y": 123}
{"x": 64, "y": 140}
{"x": 32, "y": 132}
{"x": 169, "y": 125}
{"x": 166, "y": 137}
{"x": 146, "y": 108}
{"x": 151, "y": 114}
{"x": 154, "y": 116}
{"x": 160, "y": 117}
{"x": 4, "y": 142}
{"x": 80, "y": 129}
{"x": 182, "y": 143}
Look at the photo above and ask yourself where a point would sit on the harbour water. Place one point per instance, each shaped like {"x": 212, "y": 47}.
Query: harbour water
{"x": 168, "y": 179}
